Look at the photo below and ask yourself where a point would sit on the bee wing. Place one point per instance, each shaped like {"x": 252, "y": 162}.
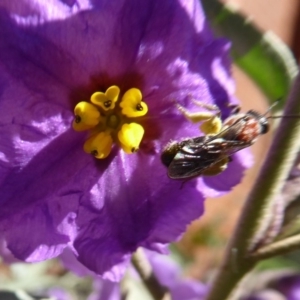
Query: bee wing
{"x": 192, "y": 160}
{"x": 185, "y": 167}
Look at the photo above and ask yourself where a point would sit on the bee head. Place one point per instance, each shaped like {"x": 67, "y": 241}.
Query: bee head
{"x": 263, "y": 121}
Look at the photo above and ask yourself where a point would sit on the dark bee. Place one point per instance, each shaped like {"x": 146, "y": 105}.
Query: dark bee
{"x": 209, "y": 155}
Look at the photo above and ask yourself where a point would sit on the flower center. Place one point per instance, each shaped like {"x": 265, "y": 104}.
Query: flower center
{"x": 110, "y": 120}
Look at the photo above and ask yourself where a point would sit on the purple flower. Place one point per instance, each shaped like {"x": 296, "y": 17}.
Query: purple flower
{"x": 56, "y": 54}
{"x": 289, "y": 286}
{"x": 167, "y": 272}
{"x": 170, "y": 275}
{"x": 105, "y": 290}
{"x": 102, "y": 289}
{"x": 284, "y": 286}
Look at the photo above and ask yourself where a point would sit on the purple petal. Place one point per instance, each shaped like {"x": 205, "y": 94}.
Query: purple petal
{"x": 189, "y": 290}
{"x": 289, "y": 286}
{"x": 169, "y": 275}
{"x": 58, "y": 293}
{"x": 71, "y": 263}
{"x": 105, "y": 290}
{"x": 139, "y": 210}
{"x": 102, "y": 289}
{"x": 52, "y": 226}
{"x": 5, "y": 254}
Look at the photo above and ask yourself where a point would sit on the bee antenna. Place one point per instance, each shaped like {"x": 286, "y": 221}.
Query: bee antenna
{"x": 284, "y": 116}
{"x": 277, "y": 117}
{"x": 270, "y": 108}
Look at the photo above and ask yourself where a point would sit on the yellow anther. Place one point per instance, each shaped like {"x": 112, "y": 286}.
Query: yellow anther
{"x": 211, "y": 126}
{"x": 130, "y": 137}
{"x": 107, "y": 125}
{"x": 108, "y": 99}
{"x": 87, "y": 116}
{"x": 132, "y": 104}
{"x": 99, "y": 145}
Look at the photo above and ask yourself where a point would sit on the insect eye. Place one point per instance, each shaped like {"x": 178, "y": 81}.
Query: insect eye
{"x": 264, "y": 126}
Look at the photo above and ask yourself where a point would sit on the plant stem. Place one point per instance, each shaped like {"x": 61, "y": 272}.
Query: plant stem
{"x": 142, "y": 266}
{"x": 269, "y": 183}
{"x": 280, "y": 247}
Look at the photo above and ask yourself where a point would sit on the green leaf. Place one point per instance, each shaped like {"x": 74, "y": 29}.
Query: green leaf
{"x": 263, "y": 56}
{"x": 276, "y": 263}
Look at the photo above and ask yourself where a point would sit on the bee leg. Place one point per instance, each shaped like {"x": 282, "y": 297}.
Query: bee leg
{"x": 195, "y": 117}
{"x": 210, "y": 107}
{"x": 212, "y": 123}
{"x": 235, "y": 109}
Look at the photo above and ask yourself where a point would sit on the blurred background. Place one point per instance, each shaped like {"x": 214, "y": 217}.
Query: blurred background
{"x": 206, "y": 238}
{"x": 202, "y": 246}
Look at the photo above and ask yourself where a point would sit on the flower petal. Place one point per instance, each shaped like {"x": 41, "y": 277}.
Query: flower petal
{"x": 53, "y": 230}
{"x": 139, "y": 210}
{"x": 169, "y": 275}
{"x": 51, "y": 59}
